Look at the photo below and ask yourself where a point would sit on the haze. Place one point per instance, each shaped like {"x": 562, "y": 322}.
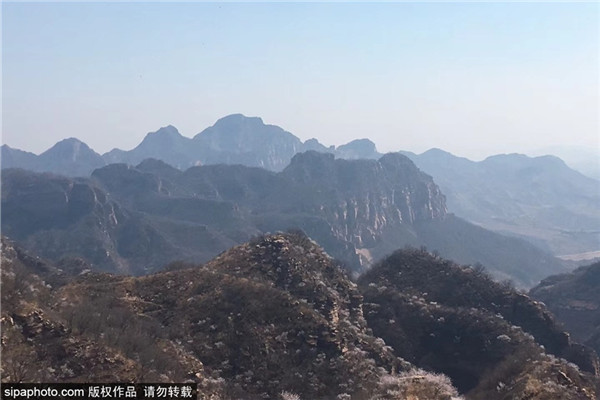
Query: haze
{"x": 472, "y": 78}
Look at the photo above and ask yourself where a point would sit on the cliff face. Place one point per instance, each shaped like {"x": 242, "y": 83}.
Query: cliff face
{"x": 363, "y": 198}
{"x": 344, "y": 204}
{"x": 61, "y": 217}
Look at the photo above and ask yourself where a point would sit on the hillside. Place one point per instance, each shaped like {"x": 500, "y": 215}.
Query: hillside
{"x": 485, "y": 336}
{"x": 270, "y": 317}
{"x": 59, "y": 217}
{"x": 276, "y": 317}
{"x": 539, "y": 199}
{"x": 575, "y": 300}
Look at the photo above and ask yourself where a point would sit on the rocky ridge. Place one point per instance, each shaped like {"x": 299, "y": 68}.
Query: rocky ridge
{"x": 267, "y": 319}
{"x": 276, "y": 317}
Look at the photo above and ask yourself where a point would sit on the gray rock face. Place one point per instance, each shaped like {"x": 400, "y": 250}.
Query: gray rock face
{"x": 363, "y": 198}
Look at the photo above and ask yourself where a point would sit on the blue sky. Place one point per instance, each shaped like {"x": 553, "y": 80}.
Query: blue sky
{"x": 472, "y": 78}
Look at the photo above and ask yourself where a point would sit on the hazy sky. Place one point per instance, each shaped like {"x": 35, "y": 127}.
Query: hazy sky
{"x": 472, "y": 78}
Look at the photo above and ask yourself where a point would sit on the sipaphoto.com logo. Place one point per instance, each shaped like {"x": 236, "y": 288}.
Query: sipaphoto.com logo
{"x": 43, "y": 391}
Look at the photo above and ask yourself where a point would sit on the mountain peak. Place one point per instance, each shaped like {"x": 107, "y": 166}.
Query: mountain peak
{"x": 515, "y": 161}
{"x": 397, "y": 160}
{"x": 71, "y": 142}
{"x": 359, "y": 148}
{"x": 235, "y": 119}
{"x": 168, "y": 131}
{"x": 71, "y": 149}
{"x": 438, "y": 154}
{"x": 312, "y": 161}
{"x": 237, "y": 139}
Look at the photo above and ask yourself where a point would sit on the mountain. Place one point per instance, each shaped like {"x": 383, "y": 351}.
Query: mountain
{"x": 574, "y": 299}
{"x": 134, "y": 219}
{"x": 166, "y": 144}
{"x": 344, "y": 205}
{"x": 581, "y": 158}
{"x": 38, "y": 344}
{"x": 362, "y": 198}
{"x": 313, "y": 144}
{"x": 15, "y": 158}
{"x": 272, "y": 318}
{"x": 492, "y": 341}
{"x": 360, "y": 148}
{"x": 234, "y": 139}
{"x": 277, "y": 318}
{"x": 237, "y": 139}
{"x": 70, "y": 157}
{"x": 60, "y": 217}
{"x": 359, "y": 210}
{"x": 538, "y": 199}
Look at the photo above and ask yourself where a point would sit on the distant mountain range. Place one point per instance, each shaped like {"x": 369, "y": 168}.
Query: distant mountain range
{"x": 538, "y": 199}
{"x": 234, "y": 139}
{"x": 136, "y": 219}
